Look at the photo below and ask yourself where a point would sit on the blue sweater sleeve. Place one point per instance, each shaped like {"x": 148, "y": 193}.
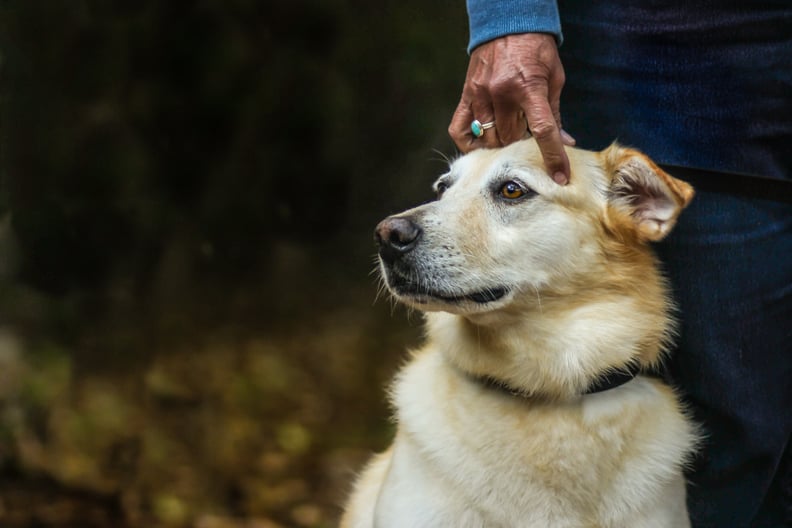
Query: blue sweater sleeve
{"x": 490, "y": 19}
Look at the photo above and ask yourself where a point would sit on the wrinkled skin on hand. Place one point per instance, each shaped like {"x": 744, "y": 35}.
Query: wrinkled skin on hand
{"x": 511, "y": 80}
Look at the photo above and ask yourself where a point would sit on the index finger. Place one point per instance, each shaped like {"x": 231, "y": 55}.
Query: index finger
{"x": 543, "y": 127}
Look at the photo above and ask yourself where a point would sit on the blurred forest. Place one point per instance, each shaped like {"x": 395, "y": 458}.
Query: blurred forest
{"x": 189, "y": 335}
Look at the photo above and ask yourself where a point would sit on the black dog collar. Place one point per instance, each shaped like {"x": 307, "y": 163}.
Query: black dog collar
{"x": 606, "y": 381}
{"x": 616, "y": 378}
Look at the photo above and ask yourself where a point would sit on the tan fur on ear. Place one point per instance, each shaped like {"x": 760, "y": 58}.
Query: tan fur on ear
{"x": 651, "y": 197}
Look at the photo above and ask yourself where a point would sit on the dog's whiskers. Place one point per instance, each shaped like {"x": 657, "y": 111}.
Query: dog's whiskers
{"x": 444, "y": 158}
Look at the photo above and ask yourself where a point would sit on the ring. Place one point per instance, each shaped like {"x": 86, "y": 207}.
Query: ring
{"x": 478, "y": 128}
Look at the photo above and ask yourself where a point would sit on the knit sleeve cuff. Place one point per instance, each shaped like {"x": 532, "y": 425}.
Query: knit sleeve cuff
{"x": 490, "y": 19}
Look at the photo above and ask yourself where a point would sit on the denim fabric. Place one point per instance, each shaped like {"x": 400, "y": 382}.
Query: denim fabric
{"x": 696, "y": 83}
{"x": 709, "y": 84}
{"x": 730, "y": 263}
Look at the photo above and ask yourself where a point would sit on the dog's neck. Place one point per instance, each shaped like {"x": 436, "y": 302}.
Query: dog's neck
{"x": 609, "y": 379}
{"x": 555, "y": 352}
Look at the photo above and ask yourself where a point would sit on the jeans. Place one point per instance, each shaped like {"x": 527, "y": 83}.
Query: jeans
{"x": 698, "y": 83}
{"x": 730, "y": 263}
{"x": 703, "y": 83}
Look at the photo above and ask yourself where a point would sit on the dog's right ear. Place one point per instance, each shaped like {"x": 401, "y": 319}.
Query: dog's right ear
{"x": 643, "y": 193}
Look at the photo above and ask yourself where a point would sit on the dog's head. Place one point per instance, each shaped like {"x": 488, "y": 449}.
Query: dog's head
{"x": 502, "y": 232}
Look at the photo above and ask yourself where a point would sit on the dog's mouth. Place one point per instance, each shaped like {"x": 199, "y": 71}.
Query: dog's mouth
{"x": 424, "y": 295}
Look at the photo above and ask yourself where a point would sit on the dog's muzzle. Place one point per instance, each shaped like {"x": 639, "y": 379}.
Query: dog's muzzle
{"x": 396, "y": 236}
{"x": 411, "y": 280}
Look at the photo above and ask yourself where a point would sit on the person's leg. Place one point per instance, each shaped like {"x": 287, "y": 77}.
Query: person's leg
{"x": 730, "y": 263}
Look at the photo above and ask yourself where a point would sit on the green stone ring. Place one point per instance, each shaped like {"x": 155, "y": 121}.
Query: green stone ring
{"x": 478, "y": 128}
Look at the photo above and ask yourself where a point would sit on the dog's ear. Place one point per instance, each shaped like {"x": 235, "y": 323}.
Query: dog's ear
{"x": 650, "y": 197}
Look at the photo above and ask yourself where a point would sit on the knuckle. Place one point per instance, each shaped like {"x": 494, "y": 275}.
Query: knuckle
{"x": 509, "y": 135}
{"x": 477, "y": 88}
{"x": 561, "y": 77}
{"x": 552, "y": 160}
{"x": 542, "y": 130}
{"x": 502, "y": 85}
{"x": 535, "y": 85}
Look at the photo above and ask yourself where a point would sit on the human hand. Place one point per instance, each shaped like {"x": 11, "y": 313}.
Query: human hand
{"x": 511, "y": 80}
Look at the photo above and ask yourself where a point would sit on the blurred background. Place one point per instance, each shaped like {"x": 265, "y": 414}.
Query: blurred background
{"x": 189, "y": 328}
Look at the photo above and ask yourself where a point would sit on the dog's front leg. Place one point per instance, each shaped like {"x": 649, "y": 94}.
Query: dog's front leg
{"x": 414, "y": 495}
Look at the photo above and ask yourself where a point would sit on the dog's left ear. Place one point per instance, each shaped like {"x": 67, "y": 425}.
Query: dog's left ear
{"x": 650, "y": 197}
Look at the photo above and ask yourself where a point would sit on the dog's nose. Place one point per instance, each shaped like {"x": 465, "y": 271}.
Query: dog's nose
{"x": 396, "y": 236}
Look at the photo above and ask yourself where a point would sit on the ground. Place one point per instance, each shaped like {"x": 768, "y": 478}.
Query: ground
{"x": 235, "y": 424}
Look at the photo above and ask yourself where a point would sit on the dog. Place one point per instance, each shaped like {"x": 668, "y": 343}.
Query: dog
{"x": 529, "y": 404}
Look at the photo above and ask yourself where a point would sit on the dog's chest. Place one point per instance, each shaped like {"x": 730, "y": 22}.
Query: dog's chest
{"x": 515, "y": 459}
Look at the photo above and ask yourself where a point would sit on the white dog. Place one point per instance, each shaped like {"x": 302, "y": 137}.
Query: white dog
{"x": 526, "y": 407}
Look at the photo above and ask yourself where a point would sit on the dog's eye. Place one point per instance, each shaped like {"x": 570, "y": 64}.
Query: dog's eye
{"x": 512, "y": 190}
{"x": 440, "y": 188}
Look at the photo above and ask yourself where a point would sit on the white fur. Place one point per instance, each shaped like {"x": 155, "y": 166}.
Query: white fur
{"x": 583, "y": 298}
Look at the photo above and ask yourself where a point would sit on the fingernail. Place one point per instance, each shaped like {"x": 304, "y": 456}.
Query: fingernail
{"x": 560, "y": 178}
{"x": 567, "y": 139}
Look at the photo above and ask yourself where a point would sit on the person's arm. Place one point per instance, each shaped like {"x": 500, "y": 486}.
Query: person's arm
{"x": 514, "y": 76}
